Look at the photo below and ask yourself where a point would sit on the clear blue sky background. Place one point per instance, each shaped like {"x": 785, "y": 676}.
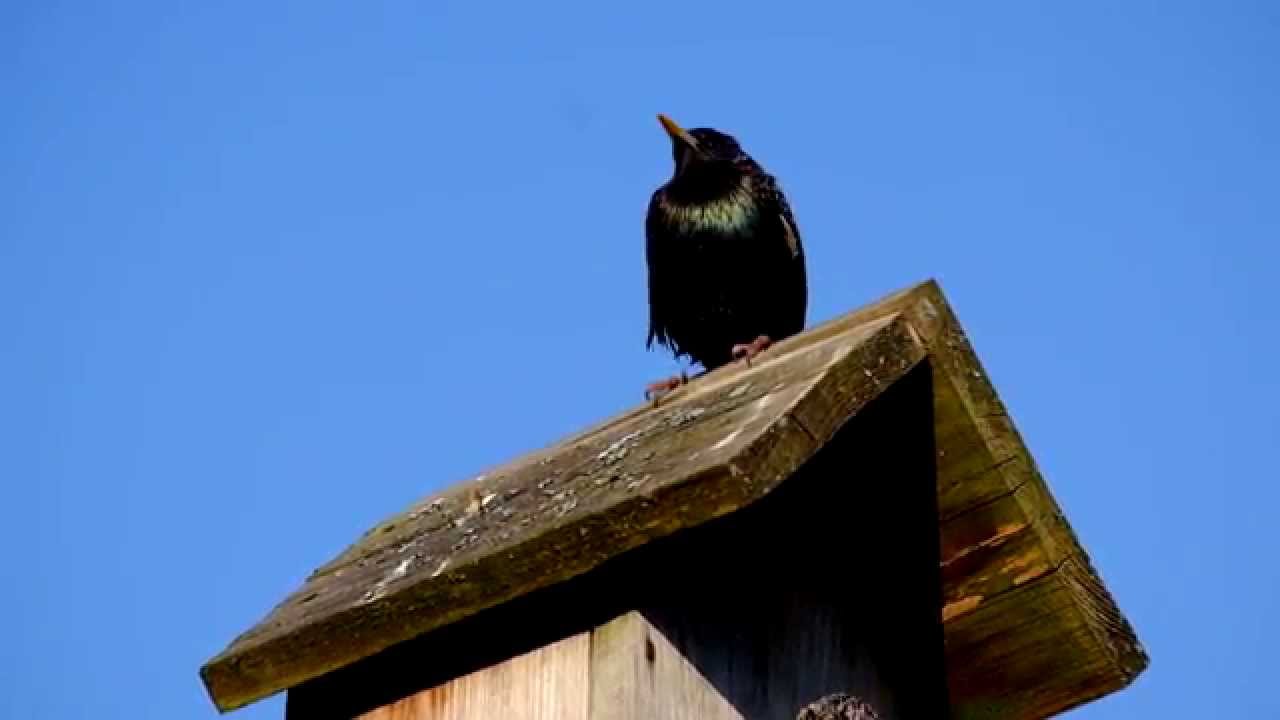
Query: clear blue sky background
{"x": 272, "y": 271}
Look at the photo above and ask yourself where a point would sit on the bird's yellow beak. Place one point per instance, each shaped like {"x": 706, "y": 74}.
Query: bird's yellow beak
{"x": 676, "y": 132}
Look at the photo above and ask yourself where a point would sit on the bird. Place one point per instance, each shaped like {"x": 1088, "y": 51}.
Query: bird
{"x": 726, "y": 266}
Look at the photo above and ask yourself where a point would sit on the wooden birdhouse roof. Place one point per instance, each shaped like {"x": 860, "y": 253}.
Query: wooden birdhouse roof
{"x": 1029, "y": 628}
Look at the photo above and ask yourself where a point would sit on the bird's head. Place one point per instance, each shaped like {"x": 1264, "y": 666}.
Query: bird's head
{"x": 700, "y": 147}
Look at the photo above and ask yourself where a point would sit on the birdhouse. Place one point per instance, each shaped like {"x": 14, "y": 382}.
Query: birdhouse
{"x": 851, "y": 516}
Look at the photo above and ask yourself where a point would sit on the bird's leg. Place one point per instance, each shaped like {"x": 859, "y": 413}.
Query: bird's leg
{"x": 658, "y": 390}
{"x": 747, "y": 351}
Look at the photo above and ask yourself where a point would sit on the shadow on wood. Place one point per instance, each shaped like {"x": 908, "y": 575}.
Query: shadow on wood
{"x": 830, "y": 584}
{"x": 708, "y": 493}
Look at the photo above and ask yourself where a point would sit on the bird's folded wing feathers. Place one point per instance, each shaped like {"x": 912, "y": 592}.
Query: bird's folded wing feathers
{"x": 769, "y": 191}
{"x": 657, "y": 260}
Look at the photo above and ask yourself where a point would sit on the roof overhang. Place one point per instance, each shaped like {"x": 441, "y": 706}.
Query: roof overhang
{"x": 1029, "y": 628}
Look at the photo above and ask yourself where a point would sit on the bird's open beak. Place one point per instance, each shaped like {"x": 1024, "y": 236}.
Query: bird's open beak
{"x": 676, "y": 132}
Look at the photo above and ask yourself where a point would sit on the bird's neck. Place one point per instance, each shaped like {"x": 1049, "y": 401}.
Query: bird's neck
{"x": 703, "y": 184}
{"x": 718, "y": 205}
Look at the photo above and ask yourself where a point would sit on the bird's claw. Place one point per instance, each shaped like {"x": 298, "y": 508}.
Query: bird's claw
{"x": 748, "y": 351}
{"x": 658, "y": 390}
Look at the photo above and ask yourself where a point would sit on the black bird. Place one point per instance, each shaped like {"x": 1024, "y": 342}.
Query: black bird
{"x": 726, "y": 266}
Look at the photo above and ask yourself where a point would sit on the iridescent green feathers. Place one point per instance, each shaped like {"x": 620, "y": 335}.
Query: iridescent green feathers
{"x": 726, "y": 264}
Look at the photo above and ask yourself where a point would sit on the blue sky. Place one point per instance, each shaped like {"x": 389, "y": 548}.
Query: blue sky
{"x": 272, "y": 271}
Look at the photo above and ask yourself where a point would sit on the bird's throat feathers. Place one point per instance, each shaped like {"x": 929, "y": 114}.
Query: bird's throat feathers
{"x": 691, "y": 204}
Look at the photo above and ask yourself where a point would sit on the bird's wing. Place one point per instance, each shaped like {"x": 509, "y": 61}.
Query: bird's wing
{"x": 659, "y": 259}
{"x": 793, "y": 237}
{"x": 773, "y": 195}
{"x": 795, "y": 279}
{"x": 769, "y": 194}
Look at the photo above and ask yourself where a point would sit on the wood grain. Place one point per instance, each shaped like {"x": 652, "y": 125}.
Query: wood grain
{"x": 637, "y": 673}
{"x": 549, "y": 683}
{"x": 550, "y": 520}
{"x": 774, "y": 607}
{"x": 715, "y": 448}
{"x": 750, "y": 615}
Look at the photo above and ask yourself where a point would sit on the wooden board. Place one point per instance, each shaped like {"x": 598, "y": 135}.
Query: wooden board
{"x": 717, "y": 446}
{"x": 549, "y": 683}
{"x": 636, "y": 672}
{"x": 753, "y": 615}
{"x": 762, "y": 612}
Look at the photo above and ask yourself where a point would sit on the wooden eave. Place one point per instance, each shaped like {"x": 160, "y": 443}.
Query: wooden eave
{"x": 1030, "y": 630}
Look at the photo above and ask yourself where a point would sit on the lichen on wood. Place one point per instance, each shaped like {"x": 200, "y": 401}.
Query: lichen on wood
{"x": 714, "y": 446}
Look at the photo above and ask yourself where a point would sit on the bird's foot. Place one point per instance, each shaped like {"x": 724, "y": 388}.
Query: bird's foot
{"x": 748, "y": 351}
{"x": 658, "y": 390}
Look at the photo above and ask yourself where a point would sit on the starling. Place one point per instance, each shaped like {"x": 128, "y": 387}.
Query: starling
{"x": 726, "y": 267}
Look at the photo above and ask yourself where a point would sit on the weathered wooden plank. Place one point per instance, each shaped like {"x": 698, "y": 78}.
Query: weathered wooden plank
{"x": 1012, "y": 557}
{"x": 773, "y": 607}
{"x": 1032, "y": 652}
{"x": 637, "y": 673}
{"x": 550, "y": 683}
{"x": 535, "y": 523}
{"x": 1001, "y": 532}
{"x": 1004, "y": 537}
{"x": 749, "y": 615}
{"x": 969, "y": 473}
{"x": 709, "y": 667}
{"x": 716, "y": 447}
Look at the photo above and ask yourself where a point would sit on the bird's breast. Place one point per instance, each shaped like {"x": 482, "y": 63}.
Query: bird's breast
{"x": 730, "y": 214}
